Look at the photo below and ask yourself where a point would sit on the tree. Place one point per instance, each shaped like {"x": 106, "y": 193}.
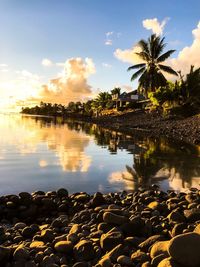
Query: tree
{"x": 116, "y": 91}
{"x": 150, "y": 71}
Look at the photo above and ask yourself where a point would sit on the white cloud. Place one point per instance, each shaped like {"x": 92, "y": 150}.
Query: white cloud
{"x": 106, "y": 65}
{"x": 128, "y": 55}
{"x": 108, "y": 42}
{"x": 154, "y": 25}
{"x": 47, "y": 62}
{"x": 189, "y": 55}
{"x": 109, "y": 34}
{"x": 3, "y": 65}
{"x": 72, "y": 85}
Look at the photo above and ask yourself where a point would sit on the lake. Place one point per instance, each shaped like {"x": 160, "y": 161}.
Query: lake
{"x": 38, "y": 153}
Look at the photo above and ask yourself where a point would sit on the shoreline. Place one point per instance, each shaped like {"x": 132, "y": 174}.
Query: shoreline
{"x": 146, "y": 228}
{"x": 153, "y": 125}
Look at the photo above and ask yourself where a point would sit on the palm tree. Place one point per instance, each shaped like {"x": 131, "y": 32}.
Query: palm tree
{"x": 150, "y": 71}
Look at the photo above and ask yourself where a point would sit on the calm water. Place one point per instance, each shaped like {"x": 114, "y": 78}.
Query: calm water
{"x": 39, "y": 153}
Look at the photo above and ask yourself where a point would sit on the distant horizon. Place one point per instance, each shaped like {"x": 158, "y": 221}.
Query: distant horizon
{"x": 72, "y": 50}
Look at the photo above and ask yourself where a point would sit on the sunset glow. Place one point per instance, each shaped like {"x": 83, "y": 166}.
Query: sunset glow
{"x": 62, "y": 59}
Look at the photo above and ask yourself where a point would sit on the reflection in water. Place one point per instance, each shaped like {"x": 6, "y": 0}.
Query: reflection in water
{"x": 101, "y": 159}
{"x": 27, "y": 134}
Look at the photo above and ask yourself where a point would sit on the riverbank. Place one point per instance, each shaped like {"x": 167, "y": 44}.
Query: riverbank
{"x": 146, "y": 228}
{"x": 152, "y": 124}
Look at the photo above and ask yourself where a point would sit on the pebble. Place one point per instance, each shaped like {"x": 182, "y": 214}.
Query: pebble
{"x": 146, "y": 228}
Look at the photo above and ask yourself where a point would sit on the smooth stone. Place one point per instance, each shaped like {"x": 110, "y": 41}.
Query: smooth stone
{"x": 185, "y": 249}
{"x": 155, "y": 261}
{"x": 178, "y": 229}
{"x": 19, "y": 225}
{"x": 28, "y": 232}
{"x": 105, "y": 262}
{"x": 192, "y": 215}
{"x": 98, "y": 200}
{"x": 64, "y": 246}
{"x": 169, "y": 262}
{"x": 47, "y": 235}
{"x": 154, "y": 205}
{"x": 62, "y": 192}
{"x": 112, "y": 218}
{"x": 160, "y": 247}
{"x": 75, "y": 229}
{"x": 197, "y": 229}
{"x": 21, "y": 253}
{"x": 115, "y": 252}
{"x": 84, "y": 250}
{"x": 125, "y": 260}
{"x": 80, "y": 264}
{"x": 139, "y": 257}
{"x": 110, "y": 240}
{"x": 176, "y": 216}
{"x": 145, "y": 245}
{"x": 4, "y": 255}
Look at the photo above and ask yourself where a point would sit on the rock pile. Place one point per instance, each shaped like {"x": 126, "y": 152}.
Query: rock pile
{"x": 145, "y": 228}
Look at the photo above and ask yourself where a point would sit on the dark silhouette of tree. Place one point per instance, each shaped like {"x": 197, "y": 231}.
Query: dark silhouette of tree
{"x": 150, "y": 71}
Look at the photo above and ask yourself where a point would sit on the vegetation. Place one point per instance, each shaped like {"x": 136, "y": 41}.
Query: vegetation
{"x": 150, "y": 72}
{"x": 181, "y": 96}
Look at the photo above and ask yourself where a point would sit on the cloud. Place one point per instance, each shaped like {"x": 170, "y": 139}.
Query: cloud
{"x": 109, "y": 34}
{"x": 108, "y": 42}
{"x": 106, "y": 65}
{"x": 189, "y": 55}
{"x": 154, "y": 25}
{"x": 72, "y": 85}
{"x": 47, "y": 62}
{"x": 128, "y": 55}
{"x": 3, "y": 65}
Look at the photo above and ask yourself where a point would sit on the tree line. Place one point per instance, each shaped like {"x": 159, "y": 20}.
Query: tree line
{"x": 182, "y": 96}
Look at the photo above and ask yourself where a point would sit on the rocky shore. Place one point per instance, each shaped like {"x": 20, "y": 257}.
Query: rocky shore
{"x": 145, "y": 228}
{"x": 153, "y": 124}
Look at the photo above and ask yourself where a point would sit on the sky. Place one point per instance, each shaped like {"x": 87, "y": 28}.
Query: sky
{"x": 70, "y": 50}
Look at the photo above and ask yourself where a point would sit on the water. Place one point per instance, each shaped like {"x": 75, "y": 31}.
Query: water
{"x": 43, "y": 154}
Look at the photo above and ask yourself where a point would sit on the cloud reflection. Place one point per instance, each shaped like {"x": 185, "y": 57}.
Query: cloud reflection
{"x": 29, "y": 137}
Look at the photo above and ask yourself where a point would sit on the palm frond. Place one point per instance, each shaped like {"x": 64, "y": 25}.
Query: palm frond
{"x": 164, "y": 56}
{"x": 137, "y": 66}
{"x": 137, "y": 73}
{"x": 168, "y": 69}
{"x": 143, "y": 55}
{"x": 144, "y": 46}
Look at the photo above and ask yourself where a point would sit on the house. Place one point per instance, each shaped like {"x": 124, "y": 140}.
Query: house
{"x": 125, "y": 98}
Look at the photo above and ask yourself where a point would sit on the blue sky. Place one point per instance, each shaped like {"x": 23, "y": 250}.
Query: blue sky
{"x": 59, "y": 30}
